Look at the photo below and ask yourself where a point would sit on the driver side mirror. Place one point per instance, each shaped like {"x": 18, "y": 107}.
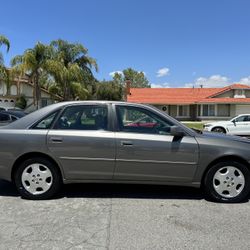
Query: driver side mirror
{"x": 177, "y": 131}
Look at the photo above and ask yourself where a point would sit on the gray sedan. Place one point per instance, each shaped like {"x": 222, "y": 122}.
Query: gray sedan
{"x": 119, "y": 142}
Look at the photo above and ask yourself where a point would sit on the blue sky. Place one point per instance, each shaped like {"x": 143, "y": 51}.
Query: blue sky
{"x": 187, "y": 42}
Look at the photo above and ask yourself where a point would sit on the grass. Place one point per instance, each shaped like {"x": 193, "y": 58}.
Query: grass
{"x": 196, "y": 125}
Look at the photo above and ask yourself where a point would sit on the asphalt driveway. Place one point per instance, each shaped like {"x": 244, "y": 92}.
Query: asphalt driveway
{"x": 95, "y": 216}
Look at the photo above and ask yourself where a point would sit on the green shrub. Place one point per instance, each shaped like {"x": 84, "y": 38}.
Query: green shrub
{"x": 21, "y": 102}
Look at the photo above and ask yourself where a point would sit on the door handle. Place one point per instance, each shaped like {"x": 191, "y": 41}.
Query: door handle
{"x": 56, "y": 139}
{"x": 126, "y": 143}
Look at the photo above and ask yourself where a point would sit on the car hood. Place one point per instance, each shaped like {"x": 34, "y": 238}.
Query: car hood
{"x": 219, "y": 123}
{"x": 225, "y": 137}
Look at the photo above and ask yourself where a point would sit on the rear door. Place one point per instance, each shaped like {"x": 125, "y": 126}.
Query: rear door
{"x": 147, "y": 152}
{"x": 83, "y": 143}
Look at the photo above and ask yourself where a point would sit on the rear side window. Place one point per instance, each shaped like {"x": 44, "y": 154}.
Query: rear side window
{"x": 83, "y": 118}
{"x": 46, "y": 122}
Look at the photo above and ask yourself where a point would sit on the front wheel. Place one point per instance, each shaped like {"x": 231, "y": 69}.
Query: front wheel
{"x": 227, "y": 182}
{"x": 219, "y": 130}
{"x": 37, "y": 178}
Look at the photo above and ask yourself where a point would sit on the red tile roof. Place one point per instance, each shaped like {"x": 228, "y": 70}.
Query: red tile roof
{"x": 184, "y": 95}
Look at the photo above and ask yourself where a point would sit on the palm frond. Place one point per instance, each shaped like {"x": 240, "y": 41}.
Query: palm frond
{"x": 4, "y": 41}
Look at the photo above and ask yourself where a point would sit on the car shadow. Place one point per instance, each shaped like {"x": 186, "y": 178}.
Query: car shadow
{"x": 8, "y": 189}
{"x": 123, "y": 191}
{"x": 131, "y": 191}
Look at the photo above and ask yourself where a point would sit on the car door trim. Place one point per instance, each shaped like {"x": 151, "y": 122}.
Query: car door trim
{"x": 154, "y": 161}
{"x": 86, "y": 158}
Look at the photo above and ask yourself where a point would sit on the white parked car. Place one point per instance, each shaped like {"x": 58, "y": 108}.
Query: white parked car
{"x": 239, "y": 125}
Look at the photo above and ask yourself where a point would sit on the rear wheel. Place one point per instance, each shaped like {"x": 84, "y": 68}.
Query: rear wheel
{"x": 219, "y": 130}
{"x": 228, "y": 182}
{"x": 37, "y": 178}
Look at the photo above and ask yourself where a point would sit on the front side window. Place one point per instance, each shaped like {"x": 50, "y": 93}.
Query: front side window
{"x": 138, "y": 120}
{"x": 83, "y": 118}
{"x": 244, "y": 118}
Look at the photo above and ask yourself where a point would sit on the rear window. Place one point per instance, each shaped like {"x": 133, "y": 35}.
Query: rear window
{"x": 4, "y": 118}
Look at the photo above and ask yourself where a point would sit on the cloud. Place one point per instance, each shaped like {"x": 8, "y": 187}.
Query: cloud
{"x": 210, "y": 82}
{"x": 162, "y": 72}
{"x": 113, "y": 73}
{"x": 160, "y": 85}
{"x": 245, "y": 80}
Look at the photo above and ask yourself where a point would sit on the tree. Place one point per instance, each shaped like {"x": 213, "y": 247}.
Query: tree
{"x": 137, "y": 78}
{"x": 5, "y": 74}
{"x": 21, "y": 102}
{"x": 71, "y": 68}
{"x": 33, "y": 62}
{"x": 109, "y": 90}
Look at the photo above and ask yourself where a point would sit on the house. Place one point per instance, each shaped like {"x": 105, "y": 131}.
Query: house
{"x": 21, "y": 86}
{"x": 196, "y": 103}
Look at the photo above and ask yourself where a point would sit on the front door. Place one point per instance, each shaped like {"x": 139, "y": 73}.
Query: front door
{"x": 83, "y": 144}
{"x": 147, "y": 152}
{"x": 240, "y": 126}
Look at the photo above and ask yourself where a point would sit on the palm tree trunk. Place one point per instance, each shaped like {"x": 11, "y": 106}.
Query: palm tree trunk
{"x": 66, "y": 92}
{"x": 37, "y": 92}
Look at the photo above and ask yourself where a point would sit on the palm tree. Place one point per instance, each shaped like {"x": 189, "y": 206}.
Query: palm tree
{"x": 71, "y": 68}
{"x": 3, "y": 41}
{"x": 4, "y": 72}
{"x": 33, "y": 63}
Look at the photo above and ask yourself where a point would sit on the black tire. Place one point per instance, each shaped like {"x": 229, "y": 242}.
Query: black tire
{"x": 56, "y": 180}
{"x": 209, "y": 182}
{"x": 219, "y": 130}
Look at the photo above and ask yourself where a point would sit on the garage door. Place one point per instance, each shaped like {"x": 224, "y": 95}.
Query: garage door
{"x": 242, "y": 109}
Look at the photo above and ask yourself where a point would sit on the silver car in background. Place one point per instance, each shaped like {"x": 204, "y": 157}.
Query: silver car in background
{"x": 119, "y": 142}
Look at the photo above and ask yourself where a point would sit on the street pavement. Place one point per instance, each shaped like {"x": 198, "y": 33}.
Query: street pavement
{"x": 104, "y": 216}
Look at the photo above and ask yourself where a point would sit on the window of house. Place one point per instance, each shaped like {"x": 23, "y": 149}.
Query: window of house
{"x": 208, "y": 110}
{"x": 239, "y": 93}
{"x": 183, "y": 110}
{"x": 138, "y": 120}
{"x": 223, "y": 110}
{"x": 44, "y": 102}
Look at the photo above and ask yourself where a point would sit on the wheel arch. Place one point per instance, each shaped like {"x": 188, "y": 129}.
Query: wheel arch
{"x": 30, "y": 155}
{"x": 219, "y": 126}
{"x": 222, "y": 159}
